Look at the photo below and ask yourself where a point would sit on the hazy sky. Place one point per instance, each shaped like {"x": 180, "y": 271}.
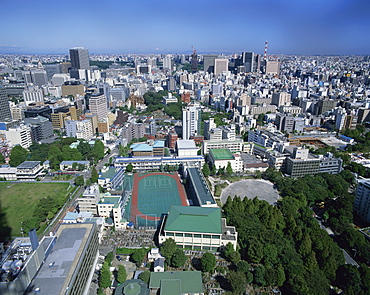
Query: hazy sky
{"x": 173, "y": 26}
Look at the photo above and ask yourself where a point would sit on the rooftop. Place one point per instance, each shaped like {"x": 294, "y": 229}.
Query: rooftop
{"x": 158, "y": 144}
{"x": 71, "y": 239}
{"x": 109, "y": 200}
{"x": 28, "y": 165}
{"x": 186, "y": 144}
{"x": 183, "y": 281}
{"x": 203, "y": 194}
{"x": 221, "y": 154}
{"x": 141, "y": 147}
{"x": 194, "y": 219}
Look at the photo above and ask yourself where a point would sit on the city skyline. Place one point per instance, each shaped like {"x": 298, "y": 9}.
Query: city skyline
{"x": 291, "y": 27}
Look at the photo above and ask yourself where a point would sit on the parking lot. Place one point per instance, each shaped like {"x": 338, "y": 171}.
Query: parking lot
{"x": 251, "y": 188}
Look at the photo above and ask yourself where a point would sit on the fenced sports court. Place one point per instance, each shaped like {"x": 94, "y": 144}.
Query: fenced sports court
{"x": 152, "y": 195}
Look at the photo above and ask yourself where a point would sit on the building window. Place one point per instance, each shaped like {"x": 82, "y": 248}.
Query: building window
{"x": 178, "y": 234}
{"x": 216, "y": 237}
{"x": 197, "y": 236}
{"x": 188, "y": 235}
{"x": 169, "y": 234}
{"x": 206, "y": 236}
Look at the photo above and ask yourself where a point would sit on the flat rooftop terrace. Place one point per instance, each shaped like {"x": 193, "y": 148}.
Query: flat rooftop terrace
{"x": 221, "y": 154}
{"x": 55, "y": 274}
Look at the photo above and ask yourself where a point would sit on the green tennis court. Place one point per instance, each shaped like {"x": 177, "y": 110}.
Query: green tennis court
{"x": 153, "y": 194}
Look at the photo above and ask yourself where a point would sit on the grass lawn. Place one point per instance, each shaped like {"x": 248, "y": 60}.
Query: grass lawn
{"x": 18, "y": 201}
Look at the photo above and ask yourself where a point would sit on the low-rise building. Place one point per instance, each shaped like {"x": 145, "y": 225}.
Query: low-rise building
{"x": 29, "y": 171}
{"x": 233, "y": 146}
{"x": 142, "y": 164}
{"x": 198, "y": 191}
{"x": 176, "y": 283}
{"x": 220, "y": 158}
{"x": 89, "y": 199}
{"x": 8, "y": 173}
{"x": 111, "y": 178}
{"x": 198, "y": 228}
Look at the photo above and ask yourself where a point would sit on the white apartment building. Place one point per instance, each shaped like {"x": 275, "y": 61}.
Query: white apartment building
{"x": 191, "y": 117}
{"x": 19, "y": 135}
{"x": 89, "y": 199}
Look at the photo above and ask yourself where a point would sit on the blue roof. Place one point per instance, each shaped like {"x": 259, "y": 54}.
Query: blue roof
{"x": 142, "y": 148}
{"x": 70, "y": 216}
{"x": 158, "y": 144}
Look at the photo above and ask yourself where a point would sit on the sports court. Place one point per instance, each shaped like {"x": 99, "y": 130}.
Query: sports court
{"x": 152, "y": 195}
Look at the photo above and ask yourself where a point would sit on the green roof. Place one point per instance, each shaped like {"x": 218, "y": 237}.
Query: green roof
{"x": 194, "y": 219}
{"x": 221, "y": 154}
{"x": 109, "y": 200}
{"x": 190, "y": 281}
{"x": 132, "y": 287}
{"x": 170, "y": 287}
{"x": 109, "y": 173}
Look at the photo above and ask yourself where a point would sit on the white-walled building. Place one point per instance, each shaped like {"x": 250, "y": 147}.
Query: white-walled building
{"x": 19, "y": 135}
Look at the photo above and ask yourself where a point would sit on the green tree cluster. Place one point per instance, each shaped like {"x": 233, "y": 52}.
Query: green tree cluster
{"x": 18, "y": 155}
{"x": 174, "y": 256}
{"x": 208, "y": 262}
{"x": 284, "y": 243}
{"x": 138, "y": 256}
{"x": 121, "y": 274}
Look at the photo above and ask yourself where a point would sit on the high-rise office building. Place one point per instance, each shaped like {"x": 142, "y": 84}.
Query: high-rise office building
{"x": 194, "y": 62}
{"x": 79, "y": 58}
{"x": 98, "y": 106}
{"x": 191, "y": 118}
{"x": 221, "y": 65}
{"x": 39, "y": 77}
{"x": 5, "y": 114}
{"x": 209, "y": 62}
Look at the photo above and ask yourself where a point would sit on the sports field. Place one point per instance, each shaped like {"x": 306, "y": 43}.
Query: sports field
{"x": 152, "y": 195}
{"x": 19, "y": 200}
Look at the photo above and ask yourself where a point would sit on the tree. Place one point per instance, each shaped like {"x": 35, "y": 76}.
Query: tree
{"x": 138, "y": 256}
{"x": 259, "y": 275}
{"x": 17, "y": 156}
{"x": 206, "y": 171}
{"x": 237, "y": 281}
{"x": 121, "y": 274}
{"x": 145, "y": 276}
{"x": 178, "y": 259}
{"x": 2, "y": 159}
{"x": 208, "y": 262}
{"x": 79, "y": 180}
{"x": 94, "y": 175}
{"x": 213, "y": 170}
{"x": 129, "y": 167}
{"x": 348, "y": 279}
{"x": 229, "y": 169}
{"x": 168, "y": 248}
{"x": 242, "y": 266}
{"x": 105, "y": 275}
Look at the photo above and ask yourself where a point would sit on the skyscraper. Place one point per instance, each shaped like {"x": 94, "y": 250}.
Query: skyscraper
{"x": 209, "y": 62}
{"x": 79, "y": 58}
{"x": 194, "y": 61}
{"x": 191, "y": 118}
{"x": 5, "y": 114}
{"x": 221, "y": 65}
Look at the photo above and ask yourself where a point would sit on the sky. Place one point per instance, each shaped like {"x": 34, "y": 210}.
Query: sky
{"x": 305, "y": 27}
